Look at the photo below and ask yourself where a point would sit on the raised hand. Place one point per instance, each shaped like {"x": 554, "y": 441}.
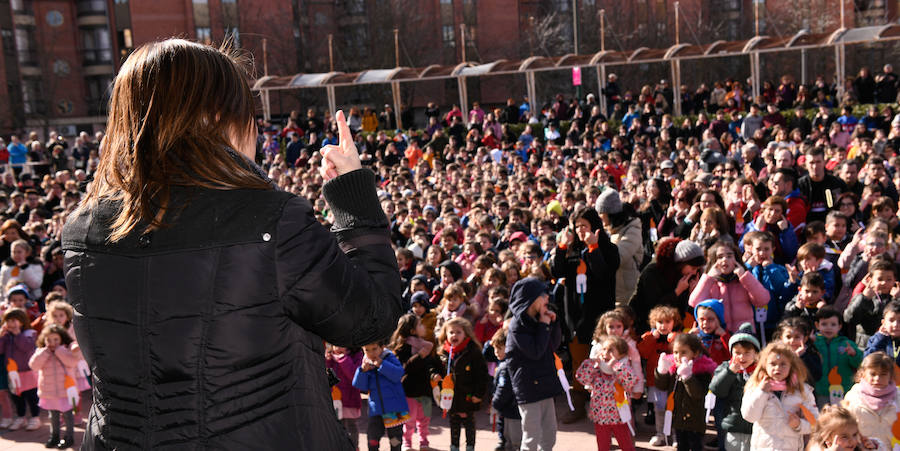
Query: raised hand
{"x": 342, "y": 158}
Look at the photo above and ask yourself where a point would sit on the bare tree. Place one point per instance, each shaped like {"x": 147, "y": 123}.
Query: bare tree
{"x": 546, "y": 36}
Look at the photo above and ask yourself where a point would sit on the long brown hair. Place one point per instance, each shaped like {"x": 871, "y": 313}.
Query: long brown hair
{"x": 796, "y": 376}
{"x": 176, "y": 106}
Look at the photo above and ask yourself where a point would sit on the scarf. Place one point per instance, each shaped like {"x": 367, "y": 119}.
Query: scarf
{"x": 455, "y": 350}
{"x": 747, "y": 372}
{"x": 417, "y": 344}
{"x": 727, "y": 278}
{"x": 707, "y": 339}
{"x": 877, "y": 398}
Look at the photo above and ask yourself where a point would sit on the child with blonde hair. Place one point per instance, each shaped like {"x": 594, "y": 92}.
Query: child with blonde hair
{"x": 454, "y": 304}
{"x": 608, "y": 367}
{"x": 838, "y": 430}
{"x": 875, "y": 399}
{"x": 777, "y": 401}
{"x": 613, "y": 324}
{"x": 461, "y": 357}
{"x": 664, "y": 321}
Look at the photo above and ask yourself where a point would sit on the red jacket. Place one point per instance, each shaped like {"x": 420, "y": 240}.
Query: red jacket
{"x": 650, "y": 348}
{"x": 718, "y": 349}
{"x": 797, "y": 209}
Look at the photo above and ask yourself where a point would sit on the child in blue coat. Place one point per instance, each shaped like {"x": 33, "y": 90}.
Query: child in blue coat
{"x": 380, "y": 375}
{"x": 887, "y": 339}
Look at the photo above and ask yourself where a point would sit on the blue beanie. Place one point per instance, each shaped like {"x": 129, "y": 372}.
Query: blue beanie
{"x": 716, "y": 306}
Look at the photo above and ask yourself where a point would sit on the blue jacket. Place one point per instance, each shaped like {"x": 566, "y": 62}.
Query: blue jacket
{"x": 829, "y": 273}
{"x": 18, "y": 153}
{"x": 787, "y": 238}
{"x": 384, "y": 387}
{"x": 529, "y": 349}
{"x": 885, "y": 344}
{"x": 504, "y": 400}
{"x": 777, "y": 281}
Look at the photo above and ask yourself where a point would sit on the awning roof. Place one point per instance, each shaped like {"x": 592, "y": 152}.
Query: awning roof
{"x": 766, "y": 44}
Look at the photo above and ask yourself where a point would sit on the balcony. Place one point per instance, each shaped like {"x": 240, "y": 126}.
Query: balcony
{"x": 22, "y": 7}
{"x": 28, "y": 58}
{"x": 90, "y": 8}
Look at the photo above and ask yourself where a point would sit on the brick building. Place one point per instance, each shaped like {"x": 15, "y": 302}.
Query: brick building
{"x": 59, "y": 56}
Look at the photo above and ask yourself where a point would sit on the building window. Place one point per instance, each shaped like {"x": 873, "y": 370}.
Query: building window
{"x": 355, "y": 6}
{"x": 449, "y": 36}
{"x": 204, "y": 35}
{"x": 22, "y": 6}
{"x": 9, "y": 41}
{"x": 233, "y": 34}
{"x": 90, "y": 7}
{"x": 25, "y": 46}
{"x": 97, "y": 93}
{"x": 229, "y": 13}
{"x": 96, "y": 46}
{"x": 201, "y": 13}
{"x": 125, "y": 41}
{"x": 31, "y": 91}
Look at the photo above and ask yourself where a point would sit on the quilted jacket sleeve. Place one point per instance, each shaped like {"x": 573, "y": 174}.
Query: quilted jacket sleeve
{"x": 344, "y": 287}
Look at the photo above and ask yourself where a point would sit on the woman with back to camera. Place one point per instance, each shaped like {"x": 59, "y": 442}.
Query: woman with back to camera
{"x": 202, "y": 294}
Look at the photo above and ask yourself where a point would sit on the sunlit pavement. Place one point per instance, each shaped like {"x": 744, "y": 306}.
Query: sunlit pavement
{"x": 577, "y": 436}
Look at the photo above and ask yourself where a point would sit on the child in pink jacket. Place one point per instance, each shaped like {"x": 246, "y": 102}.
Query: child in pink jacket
{"x": 728, "y": 280}
{"x": 55, "y": 365}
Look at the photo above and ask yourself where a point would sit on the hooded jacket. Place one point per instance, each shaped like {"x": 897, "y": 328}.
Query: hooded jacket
{"x": 344, "y": 368}
{"x": 208, "y": 333}
{"x": 530, "y": 346}
{"x": 384, "y": 386}
{"x": 716, "y": 345}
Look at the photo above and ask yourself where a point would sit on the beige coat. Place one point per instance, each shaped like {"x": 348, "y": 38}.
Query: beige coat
{"x": 872, "y": 424}
{"x": 629, "y": 240}
{"x": 769, "y": 416}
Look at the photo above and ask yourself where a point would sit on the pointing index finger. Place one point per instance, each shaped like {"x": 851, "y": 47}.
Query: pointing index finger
{"x": 343, "y": 129}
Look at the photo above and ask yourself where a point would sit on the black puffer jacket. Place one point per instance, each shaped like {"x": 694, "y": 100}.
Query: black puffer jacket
{"x": 208, "y": 334}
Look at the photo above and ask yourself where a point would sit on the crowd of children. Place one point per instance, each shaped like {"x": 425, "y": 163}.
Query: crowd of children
{"x": 43, "y": 365}
{"x": 810, "y": 385}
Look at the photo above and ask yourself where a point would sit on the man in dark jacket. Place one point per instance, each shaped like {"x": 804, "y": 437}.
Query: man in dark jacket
{"x": 534, "y": 334}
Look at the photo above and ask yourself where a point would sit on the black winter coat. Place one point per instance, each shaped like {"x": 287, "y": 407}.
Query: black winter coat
{"x": 655, "y": 288}
{"x": 417, "y": 371}
{"x": 470, "y": 377}
{"x": 581, "y": 313}
{"x": 208, "y": 333}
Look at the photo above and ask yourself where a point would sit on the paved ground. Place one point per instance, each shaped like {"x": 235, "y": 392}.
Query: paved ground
{"x": 578, "y": 436}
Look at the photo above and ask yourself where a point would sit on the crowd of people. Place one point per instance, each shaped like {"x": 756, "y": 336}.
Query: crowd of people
{"x": 745, "y": 253}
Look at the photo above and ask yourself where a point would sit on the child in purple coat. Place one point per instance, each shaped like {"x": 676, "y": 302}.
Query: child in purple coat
{"x": 344, "y": 364}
